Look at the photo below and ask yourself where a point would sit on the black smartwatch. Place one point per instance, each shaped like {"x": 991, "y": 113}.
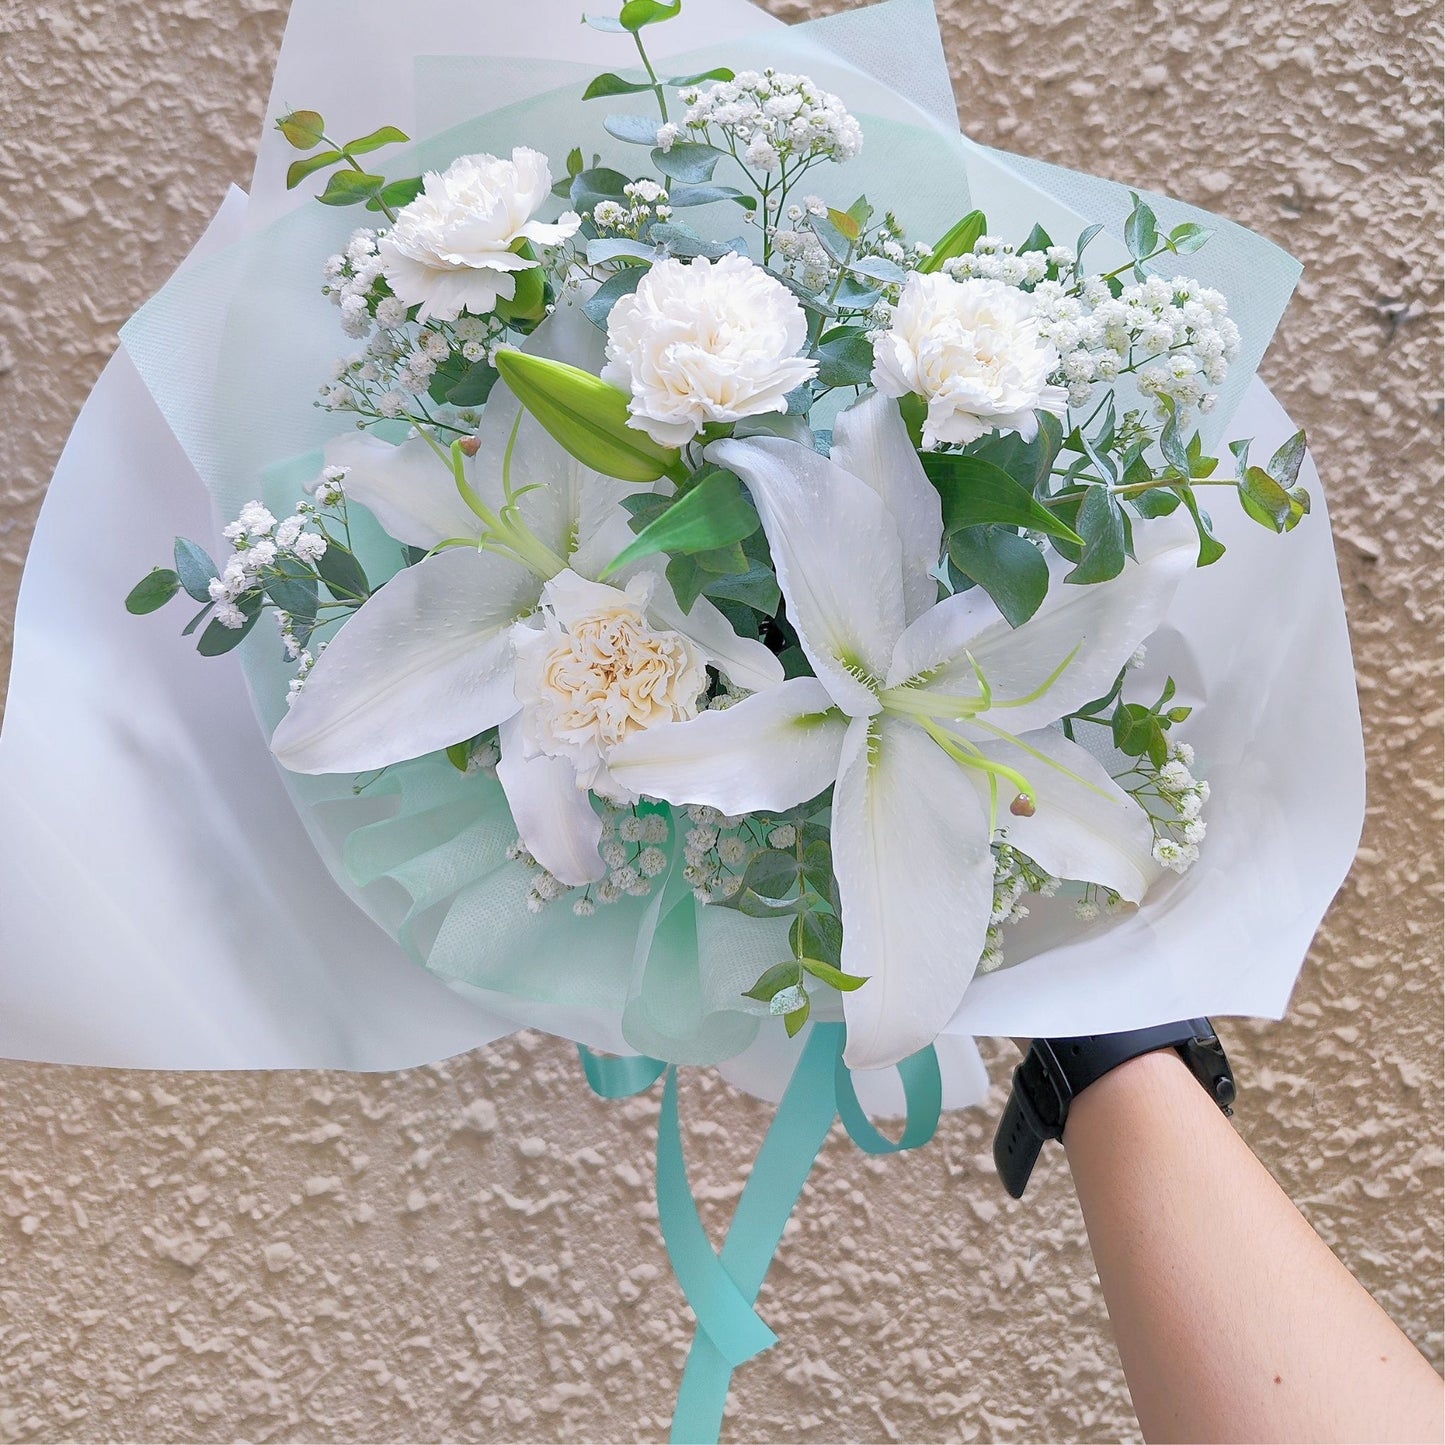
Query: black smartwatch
{"x": 1054, "y": 1071}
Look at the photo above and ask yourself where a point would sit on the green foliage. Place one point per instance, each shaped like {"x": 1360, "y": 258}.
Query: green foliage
{"x": 1009, "y": 568}
{"x": 1139, "y": 731}
{"x": 342, "y": 573}
{"x": 610, "y": 84}
{"x": 1101, "y": 525}
{"x": 386, "y": 136}
{"x": 1141, "y": 230}
{"x": 711, "y": 512}
{"x": 599, "y": 305}
{"x": 303, "y": 129}
{"x": 351, "y": 188}
{"x": 977, "y": 493}
{"x": 153, "y": 591}
{"x": 195, "y": 568}
{"x": 688, "y": 161}
{"x": 217, "y": 640}
{"x": 845, "y": 357}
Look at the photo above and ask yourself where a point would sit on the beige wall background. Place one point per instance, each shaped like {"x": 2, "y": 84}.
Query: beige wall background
{"x": 470, "y": 1250}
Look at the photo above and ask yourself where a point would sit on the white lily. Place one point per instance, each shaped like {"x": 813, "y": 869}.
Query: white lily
{"x": 926, "y": 714}
{"x": 431, "y": 659}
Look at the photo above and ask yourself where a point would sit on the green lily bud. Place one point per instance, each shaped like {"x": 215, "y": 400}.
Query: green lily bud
{"x": 586, "y": 416}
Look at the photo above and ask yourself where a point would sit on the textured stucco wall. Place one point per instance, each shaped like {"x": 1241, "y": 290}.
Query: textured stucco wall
{"x": 470, "y": 1250}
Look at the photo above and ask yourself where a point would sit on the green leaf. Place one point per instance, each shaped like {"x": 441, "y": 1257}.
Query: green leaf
{"x": 599, "y": 305}
{"x": 342, "y": 574}
{"x": 610, "y": 84}
{"x": 1085, "y": 236}
{"x": 637, "y": 13}
{"x": 598, "y": 183}
{"x": 195, "y": 568}
{"x": 878, "y": 268}
{"x": 299, "y": 170}
{"x": 958, "y": 240}
{"x": 217, "y": 640}
{"x": 609, "y": 23}
{"x": 1136, "y": 730}
{"x": 1299, "y": 507}
{"x": 833, "y": 977}
{"x": 846, "y": 225}
{"x": 351, "y": 188}
{"x": 683, "y": 241}
{"x": 976, "y": 492}
{"x": 1037, "y": 239}
{"x": 1010, "y": 569}
{"x": 153, "y": 591}
{"x": 1171, "y": 443}
{"x": 1101, "y": 524}
{"x": 1285, "y": 464}
{"x": 199, "y": 618}
{"x": 302, "y": 128}
{"x": 529, "y": 301}
{"x": 772, "y": 873}
{"x": 688, "y": 161}
{"x": 794, "y": 1021}
{"x": 1156, "y": 502}
{"x": 817, "y": 935}
{"x": 588, "y": 417}
{"x": 714, "y": 513}
{"x": 756, "y": 588}
{"x": 775, "y": 980}
{"x": 474, "y": 385}
{"x": 1188, "y": 237}
{"x": 1030, "y": 464}
{"x": 637, "y": 130}
{"x": 833, "y": 241}
{"x": 682, "y": 196}
{"x": 575, "y": 162}
{"x": 1211, "y": 549}
{"x": 718, "y": 72}
{"x": 459, "y": 755}
{"x": 388, "y": 135}
{"x": 1141, "y": 229}
{"x": 845, "y": 357}
{"x": 1264, "y": 499}
{"x": 294, "y": 596}
{"x": 396, "y": 194}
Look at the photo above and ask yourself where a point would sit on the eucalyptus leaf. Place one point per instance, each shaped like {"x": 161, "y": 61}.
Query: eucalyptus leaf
{"x": 302, "y": 128}
{"x": 718, "y": 72}
{"x": 1141, "y": 229}
{"x": 294, "y": 595}
{"x": 217, "y": 640}
{"x": 682, "y": 196}
{"x": 153, "y": 591}
{"x": 1284, "y": 465}
{"x": 1264, "y": 499}
{"x": 195, "y": 568}
{"x": 1188, "y": 237}
{"x": 388, "y": 135}
{"x": 351, "y": 188}
{"x": 609, "y": 83}
{"x": 307, "y": 165}
{"x": 878, "y": 268}
{"x": 1211, "y": 549}
{"x": 688, "y": 161}
{"x": 845, "y": 358}
{"x": 396, "y": 194}
{"x": 601, "y": 251}
{"x": 599, "y": 305}
{"x": 638, "y": 130}
{"x": 637, "y": 13}
{"x": 342, "y": 574}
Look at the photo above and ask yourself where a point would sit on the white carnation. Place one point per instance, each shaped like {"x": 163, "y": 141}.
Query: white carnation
{"x": 451, "y": 249}
{"x": 706, "y": 341}
{"x": 597, "y": 671}
{"x": 971, "y": 349}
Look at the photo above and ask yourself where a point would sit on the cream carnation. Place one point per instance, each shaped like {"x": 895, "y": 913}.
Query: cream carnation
{"x": 452, "y": 248}
{"x": 971, "y": 349}
{"x": 706, "y": 341}
{"x": 597, "y": 671}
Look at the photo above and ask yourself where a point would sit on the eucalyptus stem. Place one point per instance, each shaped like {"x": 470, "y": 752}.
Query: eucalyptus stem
{"x": 657, "y": 89}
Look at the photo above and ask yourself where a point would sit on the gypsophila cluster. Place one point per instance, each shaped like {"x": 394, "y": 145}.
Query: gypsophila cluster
{"x": 643, "y": 202}
{"x": 1174, "y": 799}
{"x": 383, "y": 380}
{"x": 769, "y": 120}
{"x": 1015, "y": 875}
{"x": 634, "y": 847}
{"x": 262, "y": 549}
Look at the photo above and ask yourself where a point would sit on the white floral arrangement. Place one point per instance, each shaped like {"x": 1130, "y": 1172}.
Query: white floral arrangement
{"x": 810, "y": 566}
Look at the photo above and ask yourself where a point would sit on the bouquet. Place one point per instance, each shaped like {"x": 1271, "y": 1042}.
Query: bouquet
{"x": 721, "y": 594}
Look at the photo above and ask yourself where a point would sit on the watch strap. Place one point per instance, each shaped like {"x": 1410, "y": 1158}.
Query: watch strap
{"x": 1055, "y": 1071}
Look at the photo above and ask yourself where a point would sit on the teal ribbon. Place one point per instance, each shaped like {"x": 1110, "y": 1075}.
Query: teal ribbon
{"x": 722, "y": 1287}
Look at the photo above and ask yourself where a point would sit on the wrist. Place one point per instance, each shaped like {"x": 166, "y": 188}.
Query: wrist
{"x": 1145, "y": 1079}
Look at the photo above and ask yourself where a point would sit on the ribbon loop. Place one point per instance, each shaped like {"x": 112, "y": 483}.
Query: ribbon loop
{"x": 619, "y": 1076}
{"x": 923, "y": 1096}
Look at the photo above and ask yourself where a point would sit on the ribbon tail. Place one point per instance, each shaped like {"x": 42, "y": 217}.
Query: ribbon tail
{"x": 782, "y": 1167}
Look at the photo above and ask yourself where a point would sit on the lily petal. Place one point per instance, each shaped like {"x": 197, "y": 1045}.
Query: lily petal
{"x": 838, "y": 558}
{"x": 407, "y": 488}
{"x": 871, "y": 440}
{"x": 1084, "y": 826}
{"x": 423, "y": 664}
{"x": 1093, "y": 629}
{"x": 570, "y": 503}
{"x": 771, "y": 751}
{"x": 745, "y": 662}
{"x": 911, "y": 851}
{"x": 554, "y": 817}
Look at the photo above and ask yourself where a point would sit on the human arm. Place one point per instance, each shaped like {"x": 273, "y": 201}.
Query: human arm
{"x": 1234, "y": 1320}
